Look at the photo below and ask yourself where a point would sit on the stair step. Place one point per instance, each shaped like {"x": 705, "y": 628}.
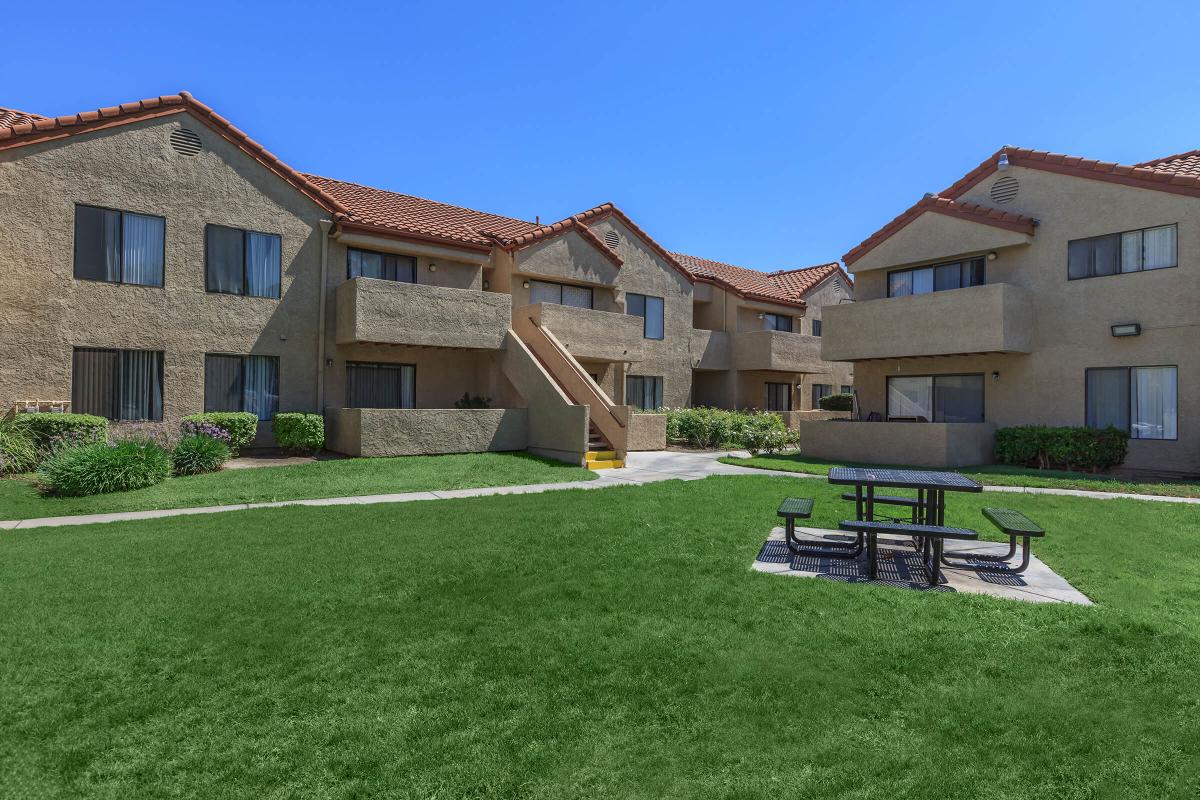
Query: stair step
{"x": 613, "y": 464}
{"x": 601, "y": 455}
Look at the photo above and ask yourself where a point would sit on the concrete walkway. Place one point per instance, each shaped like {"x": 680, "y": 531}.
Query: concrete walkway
{"x": 640, "y": 468}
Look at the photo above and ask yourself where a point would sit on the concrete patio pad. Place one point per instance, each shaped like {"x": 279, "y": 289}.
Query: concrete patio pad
{"x": 900, "y": 565}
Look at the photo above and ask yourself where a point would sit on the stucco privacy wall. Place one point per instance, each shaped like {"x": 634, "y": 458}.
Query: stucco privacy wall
{"x": 394, "y": 312}
{"x": 46, "y": 312}
{"x": 442, "y": 374}
{"x": 647, "y": 432}
{"x": 408, "y": 432}
{"x": 1072, "y": 318}
{"x": 930, "y": 444}
{"x": 557, "y": 428}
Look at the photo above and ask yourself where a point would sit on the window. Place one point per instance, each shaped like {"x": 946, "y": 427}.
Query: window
{"x": 119, "y": 246}
{"x": 816, "y": 327}
{"x": 847, "y": 389}
{"x": 560, "y": 294}
{"x": 385, "y": 266}
{"x": 241, "y": 262}
{"x": 820, "y": 390}
{"x": 1141, "y": 400}
{"x": 380, "y": 385}
{"x": 779, "y": 397}
{"x": 242, "y": 383}
{"x": 936, "y": 398}
{"x": 1131, "y": 251}
{"x": 937, "y": 278}
{"x": 117, "y": 384}
{"x": 650, "y": 309}
{"x": 777, "y": 322}
{"x": 644, "y": 391}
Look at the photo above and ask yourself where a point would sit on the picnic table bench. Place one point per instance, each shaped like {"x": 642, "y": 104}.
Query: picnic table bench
{"x": 1015, "y": 525}
{"x": 931, "y": 541}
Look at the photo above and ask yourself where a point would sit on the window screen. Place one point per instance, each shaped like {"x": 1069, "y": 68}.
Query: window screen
{"x": 385, "y": 266}
{"x": 779, "y": 397}
{"x": 644, "y": 391}
{"x": 381, "y": 385}
{"x": 777, "y": 322}
{"x": 651, "y": 309}
{"x": 936, "y": 398}
{"x": 119, "y": 246}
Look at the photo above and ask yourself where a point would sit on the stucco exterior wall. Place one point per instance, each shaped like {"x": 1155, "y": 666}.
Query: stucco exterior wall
{"x": 917, "y": 444}
{"x": 391, "y": 312}
{"x": 46, "y": 312}
{"x": 647, "y": 432}
{"x": 1071, "y": 319}
{"x": 557, "y": 428}
{"x": 409, "y": 432}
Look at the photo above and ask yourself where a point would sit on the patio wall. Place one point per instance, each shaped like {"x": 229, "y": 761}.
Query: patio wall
{"x": 919, "y": 444}
{"x": 794, "y": 418}
{"x": 425, "y": 431}
{"x": 648, "y": 432}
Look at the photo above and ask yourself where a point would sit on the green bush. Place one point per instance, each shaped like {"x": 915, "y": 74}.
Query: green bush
{"x": 100, "y": 468}
{"x": 239, "y": 426}
{"x": 700, "y": 427}
{"x": 1061, "y": 448}
{"x": 837, "y": 402}
{"x": 18, "y": 453}
{"x": 473, "y": 401}
{"x": 303, "y": 433}
{"x": 763, "y": 433}
{"x": 198, "y": 453}
{"x": 52, "y": 432}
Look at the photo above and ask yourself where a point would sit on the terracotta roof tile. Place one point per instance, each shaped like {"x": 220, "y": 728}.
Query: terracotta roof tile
{"x": 608, "y": 209}
{"x": 541, "y": 232}
{"x": 1182, "y": 164}
{"x": 408, "y": 215}
{"x": 11, "y": 116}
{"x": 782, "y": 286}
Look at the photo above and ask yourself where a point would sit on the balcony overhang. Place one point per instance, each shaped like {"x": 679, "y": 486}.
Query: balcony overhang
{"x": 376, "y": 311}
{"x": 777, "y": 351}
{"x": 590, "y": 334}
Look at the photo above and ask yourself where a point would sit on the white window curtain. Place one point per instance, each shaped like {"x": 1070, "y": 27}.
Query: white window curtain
{"x": 262, "y": 264}
{"x": 910, "y": 397}
{"x": 260, "y": 392}
{"x": 140, "y": 387}
{"x": 922, "y": 281}
{"x": 111, "y": 238}
{"x": 1154, "y": 403}
{"x": 1159, "y": 247}
{"x": 1131, "y": 251}
{"x": 143, "y": 249}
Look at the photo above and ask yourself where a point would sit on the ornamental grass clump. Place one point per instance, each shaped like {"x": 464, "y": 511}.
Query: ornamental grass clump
{"x": 18, "y": 453}
{"x": 198, "y": 453}
{"x": 104, "y": 467}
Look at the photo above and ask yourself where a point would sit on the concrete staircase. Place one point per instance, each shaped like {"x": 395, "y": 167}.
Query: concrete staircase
{"x": 600, "y": 454}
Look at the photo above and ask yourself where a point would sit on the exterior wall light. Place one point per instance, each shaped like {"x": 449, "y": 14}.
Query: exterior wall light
{"x": 1127, "y": 329}
{"x": 433, "y": 267}
{"x": 524, "y": 284}
{"x": 761, "y": 315}
{"x": 995, "y": 377}
{"x": 487, "y": 285}
{"x": 991, "y": 256}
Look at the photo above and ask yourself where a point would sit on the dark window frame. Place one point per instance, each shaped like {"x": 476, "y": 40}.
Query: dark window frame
{"x": 791, "y": 322}
{"x": 645, "y": 313}
{"x": 591, "y": 306}
{"x": 658, "y": 391}
{"x": 963, "y": 264}
{"x": 768, "y": 385}
{"x": 816, "y": 327}
{"x": 243, "y": 357}
{"x": 1141, "y": 267}
{"x": 245, "y": 257}
{"x": 933, "y": 386}
{"x": 415, "y": 265}
{"x": 120, "y": 247}
{"x": 1129, "y": 399}
{"x": 814, "y": 397}
{"x": 378, "y": 364}
{"x": 116, "y": 381}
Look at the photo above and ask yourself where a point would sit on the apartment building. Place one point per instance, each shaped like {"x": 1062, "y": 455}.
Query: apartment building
{"x": 155, "y": 261}
{"x": 1038, "y": 289}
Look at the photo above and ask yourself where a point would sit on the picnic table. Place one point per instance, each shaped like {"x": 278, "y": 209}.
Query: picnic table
{"x": 929, "y": 515}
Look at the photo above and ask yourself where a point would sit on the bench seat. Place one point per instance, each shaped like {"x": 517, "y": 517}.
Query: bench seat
{"x": 794, "y": 507}
{"x": 1013, "y": 522}
{"x": 906, "y": 529}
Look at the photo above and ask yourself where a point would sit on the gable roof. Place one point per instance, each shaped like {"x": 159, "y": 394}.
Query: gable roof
{"x": 406, "y": 215}
{"x": 41, "y": 129}
{"x": 1177, "y": 174}
{"x": 11, "y": 116}
{"x": 785, "y": 287}
{"x": 543, "y": 232}
{"x": 606, "y": 210}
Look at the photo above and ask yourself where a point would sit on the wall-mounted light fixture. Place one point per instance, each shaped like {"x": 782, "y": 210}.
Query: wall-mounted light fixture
{"x": 995, "y": 377}
{"x": 991, "y": 256}
{"x": 487, "y": 285}
{"x": 329, "y": 362}
{"x": 1127, "y": 329}
{"x": 761, "y": 315}
{"x": 433, "y": 267}
{"x": 524, "y": 284}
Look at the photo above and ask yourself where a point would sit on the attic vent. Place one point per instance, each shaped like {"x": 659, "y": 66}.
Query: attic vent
{"x": 185, "y": 142}
{"x": 1004, "y": 189}
{"x": 612, "y": 239}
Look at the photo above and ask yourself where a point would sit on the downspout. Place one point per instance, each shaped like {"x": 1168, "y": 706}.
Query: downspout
{"x": 326, "y": 225}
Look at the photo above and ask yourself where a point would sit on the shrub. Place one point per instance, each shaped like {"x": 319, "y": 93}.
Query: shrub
{"x": 300, "y": 432}
{"x": 99, "y": 468}
{"x": 1061, "y": 448}
{"x": 18, "y": 453}
{"x": 763, "y": 433}
{"x": 198, "y": 453}
{"x": 476, "y": 401}
{"x": 239, "y": 426}
{"x": 837, "y": 402}
{"x": 700, "y": 427}
{"x": 53, "y": 432}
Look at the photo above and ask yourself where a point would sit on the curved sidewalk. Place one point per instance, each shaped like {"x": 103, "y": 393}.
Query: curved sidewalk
{"x": 640, "y": 468}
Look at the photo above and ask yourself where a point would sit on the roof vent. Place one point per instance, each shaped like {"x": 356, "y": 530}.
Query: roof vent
{"x": 612, "y": 239}
{"x": 185, "y": 142}
{"x": 1004, "y": 189}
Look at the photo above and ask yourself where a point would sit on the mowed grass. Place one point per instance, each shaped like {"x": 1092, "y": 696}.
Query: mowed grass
{"x": 19, "y": 499}
{"x": 588, "y": 644}
{"x": 988, "y": 474}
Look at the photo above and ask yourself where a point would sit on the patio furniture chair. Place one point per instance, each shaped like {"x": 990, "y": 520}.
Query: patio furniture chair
{"x": 1015, "y": 525}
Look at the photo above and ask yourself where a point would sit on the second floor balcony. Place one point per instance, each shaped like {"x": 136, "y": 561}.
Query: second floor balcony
{"x": 370, "y": 310}
{"x": 993, "y": 318}
{"x": 591, "y": 334}
{"x": 711, "y": 350}
{"x": 777, "y": 351}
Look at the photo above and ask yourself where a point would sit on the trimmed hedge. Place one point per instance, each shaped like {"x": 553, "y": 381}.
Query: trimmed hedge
{"x": 1061, "y": 448}
{"x": 52, "y": 432}
{"x": 18, "y": 453}
{"x": 239, "y": 426}
{"x": 199, "y": 453}
{"x": 837, "y": 402}
{"x": 304, "y": 433}
{"x": 100, "y": 468}
{"x": 715, "y": 427}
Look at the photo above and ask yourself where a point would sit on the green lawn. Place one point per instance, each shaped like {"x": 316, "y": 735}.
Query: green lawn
{"x": 588, "y": 644}
{"x": 338, "y": 478}
{"x": 988, "y": 474}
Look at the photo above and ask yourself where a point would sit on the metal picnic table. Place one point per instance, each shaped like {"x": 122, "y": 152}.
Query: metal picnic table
{"x": 931, "y": 488}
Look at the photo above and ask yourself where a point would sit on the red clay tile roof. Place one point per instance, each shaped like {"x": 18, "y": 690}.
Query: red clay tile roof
{"x": 1180, "y": 164}
{"x": 574, "y": 223}
{"x": 786, "y": 287}
{"x": 48, "y": 128}
{"x": 608, "y": 209}
{"x": 11, "y": 116}
{"x": 407, "y": 215}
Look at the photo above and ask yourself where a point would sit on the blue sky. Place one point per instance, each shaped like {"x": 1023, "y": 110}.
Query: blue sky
{"x": 767, "y": 135}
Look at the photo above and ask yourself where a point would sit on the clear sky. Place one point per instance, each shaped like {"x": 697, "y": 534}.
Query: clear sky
{"x": 767, "y": 135}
